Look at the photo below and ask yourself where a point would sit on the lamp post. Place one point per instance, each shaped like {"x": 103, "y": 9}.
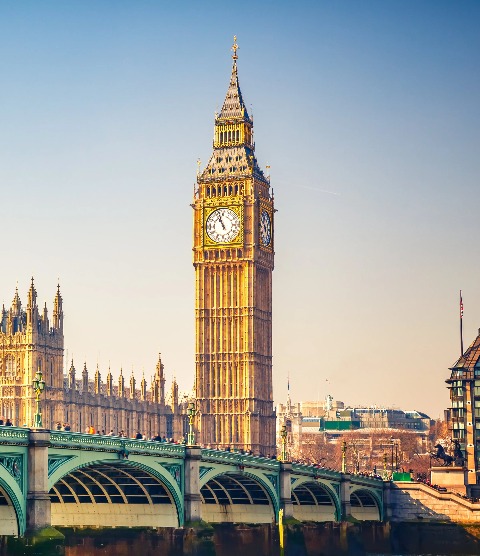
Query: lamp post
{"x": 191, "y": 412}
{"x": 385, "y": 472}
{"x": 344, "y": 456}
{"x": 38, "y": 387}
{"x": 283, "y": 435}
{"x": 392, "y": 444}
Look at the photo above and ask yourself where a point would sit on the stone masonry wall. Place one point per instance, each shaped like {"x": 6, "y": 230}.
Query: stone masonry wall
{"x": 415, "y": 501}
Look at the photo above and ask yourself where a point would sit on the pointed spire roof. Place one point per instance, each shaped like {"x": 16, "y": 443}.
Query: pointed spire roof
{"x": 58, "y": 297}
{"x": 16, "y": 303}
{"x": 32, "y": 295}
{"x": 471, "y": 358}
{"x": 72, "y": 368}
{"x": 233, "y": 106}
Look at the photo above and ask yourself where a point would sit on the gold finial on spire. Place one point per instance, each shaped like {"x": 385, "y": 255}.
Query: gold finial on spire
{"x": 234, "y": 48}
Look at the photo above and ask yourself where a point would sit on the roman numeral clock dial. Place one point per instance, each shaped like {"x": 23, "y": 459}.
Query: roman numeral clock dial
{"x": 265, "y": 229}
{"x": 223, "y": 225}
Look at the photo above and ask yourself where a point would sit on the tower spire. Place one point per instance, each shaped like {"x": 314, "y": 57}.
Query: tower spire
{"x": 58, "y": 310}
{"x": 235, "y": 47}
{"x": 233, "y": 106}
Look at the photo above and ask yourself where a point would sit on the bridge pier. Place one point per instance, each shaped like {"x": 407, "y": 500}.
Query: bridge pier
{"x": 286, "y": 489}
{"x": 192, "y": 498}
{"x": 346, "y": 507}
{"x": 38, "y": 499}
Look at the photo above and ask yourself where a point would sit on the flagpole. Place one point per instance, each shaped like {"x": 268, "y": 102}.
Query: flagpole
{"x": 461, "y": 324}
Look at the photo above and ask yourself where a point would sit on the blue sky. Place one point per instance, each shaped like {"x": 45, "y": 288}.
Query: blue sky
{"x": 367, "y": 113}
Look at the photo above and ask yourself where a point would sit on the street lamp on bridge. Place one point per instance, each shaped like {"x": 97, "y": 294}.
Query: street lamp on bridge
{"x": 344, "y": 456}
{"x": 38, "y": 387}
{"x": 394, "y": 446}
{"x": 283, "y": 435}
{"x": 191, "y": 412}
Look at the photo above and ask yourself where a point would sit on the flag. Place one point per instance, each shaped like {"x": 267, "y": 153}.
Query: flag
{"x": 461, "y": 305}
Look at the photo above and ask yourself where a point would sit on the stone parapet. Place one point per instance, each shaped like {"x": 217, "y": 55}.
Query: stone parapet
{"x": 416, "y": 501}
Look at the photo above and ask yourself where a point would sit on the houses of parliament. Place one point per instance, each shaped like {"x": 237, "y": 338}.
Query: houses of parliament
{"x": 233, "y": 259}
{"x": 31, "y": 342}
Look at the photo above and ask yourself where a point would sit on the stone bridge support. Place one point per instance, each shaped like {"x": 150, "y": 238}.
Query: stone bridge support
{"x": 286, "y": 489}
{"x": 38, "y": 499}
{"x": 345, "y": 483}
{"x": 193, "y": 500}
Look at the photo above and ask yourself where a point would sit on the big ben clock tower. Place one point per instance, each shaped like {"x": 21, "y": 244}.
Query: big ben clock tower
{"x": 233, "y": 250}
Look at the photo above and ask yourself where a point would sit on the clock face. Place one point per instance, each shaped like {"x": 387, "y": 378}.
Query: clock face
{"x": 265, "y": 229}
{"x": 223, "y": 225}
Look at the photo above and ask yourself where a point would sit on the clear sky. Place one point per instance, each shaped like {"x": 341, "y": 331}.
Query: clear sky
{"x": 368, "y": 114}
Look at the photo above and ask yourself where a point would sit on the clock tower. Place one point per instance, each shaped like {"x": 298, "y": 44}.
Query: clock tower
{"x": 233, "y": 251}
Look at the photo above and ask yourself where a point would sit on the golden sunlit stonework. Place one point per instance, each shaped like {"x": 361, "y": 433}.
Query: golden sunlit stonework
{"x": 233, "y": 257}
{"x": 31, "y": 342}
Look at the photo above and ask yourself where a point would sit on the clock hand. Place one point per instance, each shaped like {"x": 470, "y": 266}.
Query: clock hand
{"x": 221, "y": 222}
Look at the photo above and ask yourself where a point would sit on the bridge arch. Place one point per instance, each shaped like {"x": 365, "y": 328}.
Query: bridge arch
{"x": 12, "y": 503}
{"x": 115, "y": 493}
{"x": 365, "y": 504}
{"x": 238, "y": 496}
{"x": 12, "y": 515}
{"x": 315, "y": 500}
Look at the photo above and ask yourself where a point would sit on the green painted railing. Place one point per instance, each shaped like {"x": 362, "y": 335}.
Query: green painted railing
{"x": 367, "y": 481}
{"x": 76, "y": 440}
{"x": 13, "y": 435}
{"x": 312, "y": 471}
{"x": 236, "y": 458}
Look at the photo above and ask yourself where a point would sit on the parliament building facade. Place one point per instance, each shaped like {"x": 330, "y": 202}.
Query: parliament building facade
{"x": 31, "y": 342}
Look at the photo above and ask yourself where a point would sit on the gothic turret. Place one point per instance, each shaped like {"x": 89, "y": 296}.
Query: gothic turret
{"x": 71, "y": 377}
{"x": 109, "y": 383}
{"x": 32, "y": 309}
{"x": 132, "y": 386}
{"x": 58, "y": 310}
{"x": 160, "y": 380}
{"x": 44, "y": 322}
{"x": 121, "y": 385}
{"x": 85, "y": 379}
{"x": 143, "y": 388}
{"x": 98, "y": 382}
{"x": 174, "y": 395}
{"x": 15, "y": 321}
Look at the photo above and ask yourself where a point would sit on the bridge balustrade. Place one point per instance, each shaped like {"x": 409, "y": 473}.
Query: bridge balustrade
{"x": 68, "y": 478}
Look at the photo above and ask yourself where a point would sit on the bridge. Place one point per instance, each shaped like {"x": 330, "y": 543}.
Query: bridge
{"x": 56, "y": 478}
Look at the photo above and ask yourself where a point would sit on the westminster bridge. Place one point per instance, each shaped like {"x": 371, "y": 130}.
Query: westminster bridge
{"x": 56, "y": 478}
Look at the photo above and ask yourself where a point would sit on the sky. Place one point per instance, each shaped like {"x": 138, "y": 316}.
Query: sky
{"x": 368, "y": 115}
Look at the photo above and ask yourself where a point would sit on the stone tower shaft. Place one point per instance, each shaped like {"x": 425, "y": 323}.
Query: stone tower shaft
{"x": 233, "y": 258}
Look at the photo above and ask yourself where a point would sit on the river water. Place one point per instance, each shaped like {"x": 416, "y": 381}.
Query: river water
{"x": 309, "y": 539}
